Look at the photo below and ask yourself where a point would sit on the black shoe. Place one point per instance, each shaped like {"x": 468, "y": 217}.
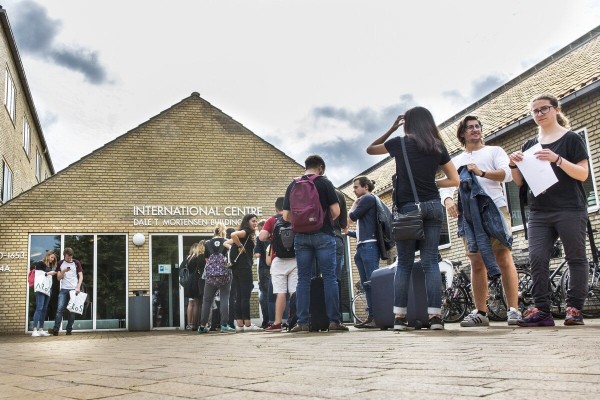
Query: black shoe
{"x": 53, "y": 332}
{"x": 436, "y": 323}
{"x": 400, "y": 324}
{"x": 365, "y": 324}
{"x": 69, "y": 333}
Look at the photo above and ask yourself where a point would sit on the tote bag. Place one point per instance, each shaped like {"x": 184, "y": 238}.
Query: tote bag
{"x": 76, "y": 302}
{"x": 42, "y": 283}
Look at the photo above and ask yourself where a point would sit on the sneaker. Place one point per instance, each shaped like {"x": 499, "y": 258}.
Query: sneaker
{"x": 239, "y": 329}
{"x": 573, "y": 317}
{"x": 536, "y": 318}
{"x": 274, "y": 328}
{"x": 337, "y": 326}
{"x": 365, "y": 323}
{"x": 43, "y": 332}
{"x": 436, "y": 323}
{"x": 400, "y": 324}
{"x": 300, "y": 328}
{"x": 475, "y": 319}
{"x": 53, "y": 332}
{"x": 265, "y": 325}
{"x": 35, "y": 333}
{"x": 203, "y": 329}
{"x": 513, "y": 315}
{"x": 252, "y": 328}
{"x": 227, "y": 329}
{"x": 69, "y": 333}
{"x": 189, "y": 327}
{"x": 370, "y": 325}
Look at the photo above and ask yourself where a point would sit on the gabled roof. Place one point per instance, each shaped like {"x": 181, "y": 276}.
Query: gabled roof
{"x": 21, "y": 72}
{"x": 570, "y": 72}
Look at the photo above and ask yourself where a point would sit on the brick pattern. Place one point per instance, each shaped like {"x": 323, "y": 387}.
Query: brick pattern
{"x": 191, "y": 154}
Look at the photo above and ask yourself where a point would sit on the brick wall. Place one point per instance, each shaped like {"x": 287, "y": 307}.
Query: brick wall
{"x": 190, "y": 154}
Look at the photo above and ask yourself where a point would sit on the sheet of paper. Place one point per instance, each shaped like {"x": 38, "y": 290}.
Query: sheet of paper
{"x": 538, "y": 173}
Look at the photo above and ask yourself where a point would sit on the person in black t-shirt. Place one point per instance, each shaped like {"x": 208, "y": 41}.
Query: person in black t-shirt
{"x": 426, "y": 154}
{"x": 559, "y": 211}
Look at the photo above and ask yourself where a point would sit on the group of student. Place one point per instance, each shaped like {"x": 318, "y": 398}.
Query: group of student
{"x": 483, "y": 222}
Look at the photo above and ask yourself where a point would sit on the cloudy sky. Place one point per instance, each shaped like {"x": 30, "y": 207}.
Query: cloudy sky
{"x": 307, "y": 76}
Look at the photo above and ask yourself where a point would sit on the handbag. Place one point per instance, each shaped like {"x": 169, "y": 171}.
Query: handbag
{"x": 76, "y": 302}
{"x": 42, "y": 282}
{"x": 408, "y": 226}
{"x": 234, "y": 253}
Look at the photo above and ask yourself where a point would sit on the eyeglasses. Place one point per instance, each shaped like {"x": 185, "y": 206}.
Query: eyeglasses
{"x": 469, "y": 128}
{"x": 542, "y": 110}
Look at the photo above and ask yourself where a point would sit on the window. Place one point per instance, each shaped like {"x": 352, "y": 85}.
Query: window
{"x": 589, "y": 186}
{"x": 26, "y": 137}
{"x": 7, "y": 184}
{"x": 38, "y": 165}
{"x": 10, "y": 95}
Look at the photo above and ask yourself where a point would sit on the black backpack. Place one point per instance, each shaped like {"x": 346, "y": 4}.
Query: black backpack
{"x": 283, "y": 239}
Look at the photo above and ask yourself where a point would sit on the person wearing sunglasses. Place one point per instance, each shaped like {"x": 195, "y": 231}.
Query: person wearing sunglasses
{"x": 558, "y": 212}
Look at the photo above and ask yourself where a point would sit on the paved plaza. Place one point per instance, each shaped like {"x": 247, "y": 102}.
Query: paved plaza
{"x": 498, "y": 362}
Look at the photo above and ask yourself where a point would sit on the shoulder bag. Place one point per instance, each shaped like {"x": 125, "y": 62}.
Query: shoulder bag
{"x": 408, "y": 226}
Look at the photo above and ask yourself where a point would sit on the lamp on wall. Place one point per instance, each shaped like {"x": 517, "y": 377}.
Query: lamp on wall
{"x": 138, "y": 239}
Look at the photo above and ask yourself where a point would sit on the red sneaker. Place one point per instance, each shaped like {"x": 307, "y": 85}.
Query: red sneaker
{"x": 273, "y": 328}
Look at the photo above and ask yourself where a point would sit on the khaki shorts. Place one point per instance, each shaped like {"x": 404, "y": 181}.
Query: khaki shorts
{"x": 496, "y": 245}
{"x": 284, "y": 275}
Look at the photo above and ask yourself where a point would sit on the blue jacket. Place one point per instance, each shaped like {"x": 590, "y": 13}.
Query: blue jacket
{"x": 366, "y": 214}
{"x": 479, "y": 220}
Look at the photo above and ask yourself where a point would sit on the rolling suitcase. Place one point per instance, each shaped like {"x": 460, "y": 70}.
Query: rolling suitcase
{"x": 382, "y": 297}
{"x": 318, "y": 320}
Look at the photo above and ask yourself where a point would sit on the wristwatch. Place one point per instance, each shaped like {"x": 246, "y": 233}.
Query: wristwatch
{"x": 482, "y": 174}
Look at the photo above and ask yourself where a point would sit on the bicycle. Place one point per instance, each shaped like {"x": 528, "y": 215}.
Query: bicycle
{"x": 358, "y": 305}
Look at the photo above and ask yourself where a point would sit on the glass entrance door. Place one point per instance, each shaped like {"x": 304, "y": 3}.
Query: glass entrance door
{"x": 168, "y": 301}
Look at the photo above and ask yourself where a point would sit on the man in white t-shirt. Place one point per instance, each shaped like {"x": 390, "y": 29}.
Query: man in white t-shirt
{"x": 490, "y": 166}
{"x": 70, "y": 275}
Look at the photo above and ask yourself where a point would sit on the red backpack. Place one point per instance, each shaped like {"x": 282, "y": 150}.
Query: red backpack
{"x": 305, "y": 205}
{"x": 31, "y": 277}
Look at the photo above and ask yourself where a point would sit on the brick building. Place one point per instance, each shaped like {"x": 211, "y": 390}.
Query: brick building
{"x": 170, "y": 179}
{"x": 573, "y": 75}
{"x": 23, "y": 150}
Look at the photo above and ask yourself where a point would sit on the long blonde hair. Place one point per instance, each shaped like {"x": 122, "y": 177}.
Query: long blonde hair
{"x": 199, "y": 249}
{"x": 47, "y": 258}
{"x": 560, "y": 117}
{"x": 220, "y": 230}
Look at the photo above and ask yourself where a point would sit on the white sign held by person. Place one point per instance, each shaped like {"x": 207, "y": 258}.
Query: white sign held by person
{"x": 42, "y": 283}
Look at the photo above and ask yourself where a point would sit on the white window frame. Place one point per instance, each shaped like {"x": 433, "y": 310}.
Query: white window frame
{"x": 7, "y": 183}
{"x": 26, "y": 137}
{"x": 10, "y": 96}
{"x": 38, "y": 165}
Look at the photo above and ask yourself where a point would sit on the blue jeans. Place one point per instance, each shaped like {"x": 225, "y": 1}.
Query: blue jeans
{"x": 63, "y": 300}
{"x": 319, "y": 247}
{"x": 367, "y": 261}
{"x": 41, "y": 306}
{"x": 432, "y": 224}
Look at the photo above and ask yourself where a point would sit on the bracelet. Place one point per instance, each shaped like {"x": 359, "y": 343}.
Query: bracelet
{"x": 557, "y": 158}
{"x": 512, "y": 166}
{"x": 559, "y": 161}
{"x": 482, "y": 174}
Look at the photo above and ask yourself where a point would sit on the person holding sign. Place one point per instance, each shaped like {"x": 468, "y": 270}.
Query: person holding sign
{"x": 70, "y": 275}
{"x": 42, "y": 285}
{"x": 558, "y": 211}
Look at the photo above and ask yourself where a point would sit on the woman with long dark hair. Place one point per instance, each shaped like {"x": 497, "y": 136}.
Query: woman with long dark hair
{"x": 559, "y": 212}
{"x": 243, "y": 283}
{"x": 426, "y": 153}
{"x": 48, "y": 265}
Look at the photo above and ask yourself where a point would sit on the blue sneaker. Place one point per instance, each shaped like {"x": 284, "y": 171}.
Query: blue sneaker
{"x": 535, "y": 318}
{"x": 227, "y": 329}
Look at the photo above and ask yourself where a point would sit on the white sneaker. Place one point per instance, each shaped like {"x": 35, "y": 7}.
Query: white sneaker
{"x": 43, "y": 332}
{"x": 239, "y": 329}
{"x": 35, "y": 333}
{"x": 252, "y": 328}
{"x": 513, "y": 316}
{"x": 475, "y": 319}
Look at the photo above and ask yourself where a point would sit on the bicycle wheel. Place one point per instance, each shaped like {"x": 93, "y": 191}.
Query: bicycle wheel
{"x": 525, "y": 296}
{"x": 496, "y": 301}
{"x": 454, "y": 304}
{"x": 591, "y": 304}
{"x": 360, "y": 310}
